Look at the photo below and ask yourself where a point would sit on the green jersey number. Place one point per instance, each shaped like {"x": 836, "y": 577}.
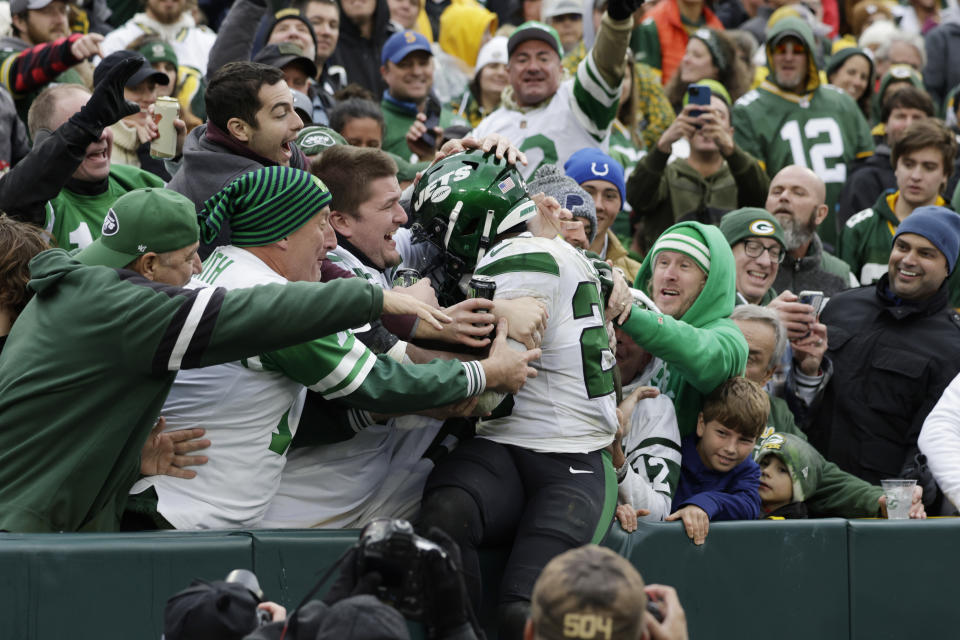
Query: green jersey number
{"x": 545, "y": 145}
{"x": 593, "y": 341}
{"x": 821, "y": 152}
{"x": 280, "y": 441}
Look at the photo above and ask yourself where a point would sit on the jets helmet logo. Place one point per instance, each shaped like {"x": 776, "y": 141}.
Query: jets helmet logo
{"x": 110, "y": 224}
{"x": 762, "y": 228}
{"x": 320, "y": 138}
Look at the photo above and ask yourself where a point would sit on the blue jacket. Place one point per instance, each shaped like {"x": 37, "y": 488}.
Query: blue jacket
{"x": 724, "y": 496}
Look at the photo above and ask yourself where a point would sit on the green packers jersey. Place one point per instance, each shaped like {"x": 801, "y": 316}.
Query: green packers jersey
{"x": 74, "y": 220}
{"x": 823, "y": 130}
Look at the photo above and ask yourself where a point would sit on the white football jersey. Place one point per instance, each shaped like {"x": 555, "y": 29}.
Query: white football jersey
{"x": 250, "y": 410}
{"x": 380, "y": 472}
{"x": 578, "y": 115}
{"x": 570, "y": 406}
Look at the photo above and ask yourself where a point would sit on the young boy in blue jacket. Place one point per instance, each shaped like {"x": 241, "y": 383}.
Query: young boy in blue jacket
{"x": 718, "y": 477}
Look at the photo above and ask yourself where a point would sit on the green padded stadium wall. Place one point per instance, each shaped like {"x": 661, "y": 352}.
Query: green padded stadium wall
{"x": 820, "y": 579}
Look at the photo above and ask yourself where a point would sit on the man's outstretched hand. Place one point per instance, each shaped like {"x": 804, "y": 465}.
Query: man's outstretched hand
{"x": 107, "y": 104}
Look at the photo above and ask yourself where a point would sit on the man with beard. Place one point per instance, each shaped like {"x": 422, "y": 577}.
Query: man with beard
{"x": 797, "y": 198}
{"x": 792, "y": 119}
{"x": 171, "y": 21}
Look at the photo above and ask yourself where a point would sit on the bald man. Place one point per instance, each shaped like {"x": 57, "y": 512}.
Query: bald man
{"x": 797, "y": 197}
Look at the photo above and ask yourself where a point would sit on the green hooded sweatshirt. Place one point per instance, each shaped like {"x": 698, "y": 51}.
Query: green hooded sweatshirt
{"x": 821, "y": 128}
{"x": 702, "y": 348}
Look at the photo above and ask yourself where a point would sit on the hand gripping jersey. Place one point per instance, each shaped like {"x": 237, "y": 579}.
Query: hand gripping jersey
{"x": 570, "y": 406}
{"x": 578, "y": 115}
{"x": 251, "y": 409}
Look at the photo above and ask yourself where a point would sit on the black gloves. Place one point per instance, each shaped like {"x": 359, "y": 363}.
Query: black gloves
{"x": 622, "y": 9}
{"x": 107, "y": 105}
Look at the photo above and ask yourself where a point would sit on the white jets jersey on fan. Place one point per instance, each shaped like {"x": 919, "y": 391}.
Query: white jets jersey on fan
{"x": 578, "y": 115}
{"x": 411, "y": 253}
{"x": 570, "y": 406}
{"x": 380, "y": 472}
{"x": 250, "y": 410}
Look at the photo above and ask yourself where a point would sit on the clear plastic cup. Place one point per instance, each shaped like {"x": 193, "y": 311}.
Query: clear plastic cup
{"x": 899, "y": 494}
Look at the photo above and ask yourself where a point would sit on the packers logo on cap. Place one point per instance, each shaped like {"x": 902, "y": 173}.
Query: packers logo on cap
{"x": 762, "y": 228}
{"x": 110, "y": 224}
{"x": 774, "y": 441}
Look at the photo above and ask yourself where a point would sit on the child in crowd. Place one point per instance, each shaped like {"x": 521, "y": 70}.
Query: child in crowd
{"x": 790, "y": 471}
{"x": 718, "y": 477}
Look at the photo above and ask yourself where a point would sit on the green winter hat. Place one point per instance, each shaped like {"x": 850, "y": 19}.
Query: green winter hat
{"x": 316, "y": 139}
{"x": 264, "y": 206}
{"x": 535, "y": 30}
{"x": 158, "y": 51}
{"x": 142, "y": 221}
{"x": 750, "y": 222}
{"x": 837, "y": 59}
{"x": 900, "y": 73}
{"x": 686, "y": 240}
{"x": 803, "y": 461}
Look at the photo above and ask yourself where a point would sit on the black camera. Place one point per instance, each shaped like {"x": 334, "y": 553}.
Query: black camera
{"x": 392, "y": 549}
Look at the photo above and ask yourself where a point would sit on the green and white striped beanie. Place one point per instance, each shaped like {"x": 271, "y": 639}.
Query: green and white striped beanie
{"x": 264, "y": 206}
{"x": 685, "y": 240}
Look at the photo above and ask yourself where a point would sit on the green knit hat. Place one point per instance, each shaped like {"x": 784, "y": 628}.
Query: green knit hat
{"x": 803, "y": 461}
{"x": 686, "y": 240}
{"x": 316, "y": 139}
{"x": 264, "y": 206}
{"x": 142, "y": 221}
{"x": 750, "y": 222}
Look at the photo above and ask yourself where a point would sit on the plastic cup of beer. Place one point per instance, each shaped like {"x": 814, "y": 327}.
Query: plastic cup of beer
{"x": 899, "y": 495}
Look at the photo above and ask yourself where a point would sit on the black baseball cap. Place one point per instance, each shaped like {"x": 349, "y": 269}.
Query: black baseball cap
{"x": 284, "y": 53}
{"x": 145, "y": 72}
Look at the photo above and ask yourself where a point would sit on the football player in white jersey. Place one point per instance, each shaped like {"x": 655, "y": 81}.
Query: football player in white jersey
{"x": 251, "y": 408}
{"x": 538, "y": 474}
{"x": 381, "y": 470}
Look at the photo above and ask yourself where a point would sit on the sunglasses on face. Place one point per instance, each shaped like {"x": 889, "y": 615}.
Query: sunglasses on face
{"x": 790, "y": 47}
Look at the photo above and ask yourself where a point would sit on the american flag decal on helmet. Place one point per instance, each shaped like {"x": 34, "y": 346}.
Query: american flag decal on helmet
{"x": 506, "y": 185}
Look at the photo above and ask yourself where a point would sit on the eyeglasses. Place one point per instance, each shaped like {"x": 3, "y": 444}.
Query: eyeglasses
{"x": 755, "y": 249}
{"x": 794, "y": 47}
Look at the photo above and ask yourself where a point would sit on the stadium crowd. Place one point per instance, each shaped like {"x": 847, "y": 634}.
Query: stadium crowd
{"x": 515, "y": 271}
